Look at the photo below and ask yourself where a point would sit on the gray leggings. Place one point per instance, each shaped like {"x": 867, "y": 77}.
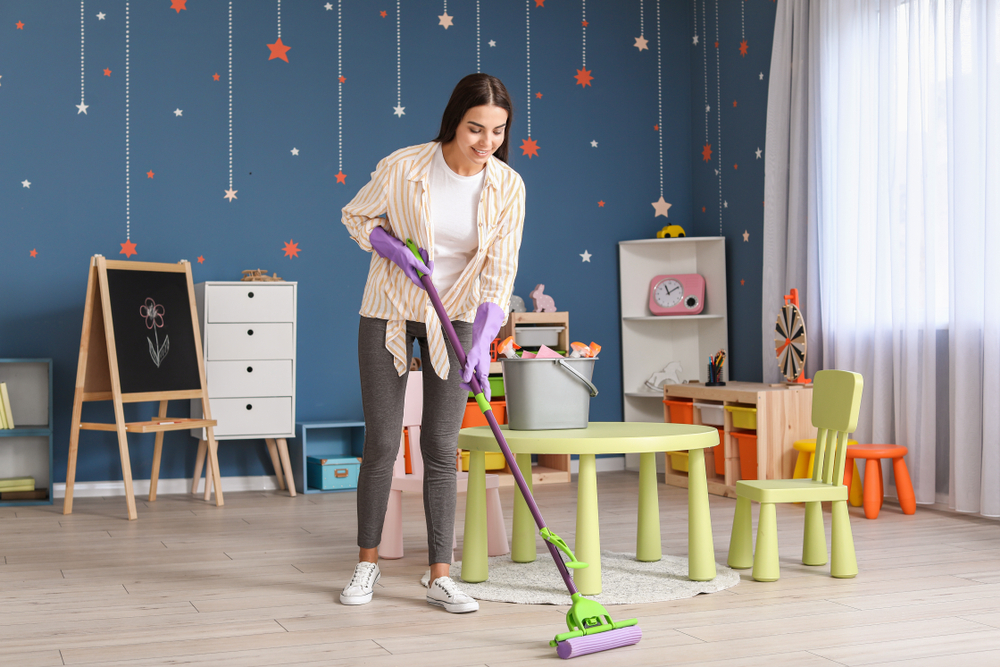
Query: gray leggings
{"x": 382, "y": 394}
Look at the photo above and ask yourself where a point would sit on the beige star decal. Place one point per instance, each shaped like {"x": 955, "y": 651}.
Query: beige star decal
{"x": 661, "y": 207}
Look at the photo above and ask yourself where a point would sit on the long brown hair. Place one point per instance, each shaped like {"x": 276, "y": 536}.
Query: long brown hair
{"x": 476, "y": 90}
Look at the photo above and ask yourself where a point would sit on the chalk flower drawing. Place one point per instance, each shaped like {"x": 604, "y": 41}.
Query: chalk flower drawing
{"x": 153, "y": 314}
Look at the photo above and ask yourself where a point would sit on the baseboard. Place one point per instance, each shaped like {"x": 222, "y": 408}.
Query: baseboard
{"x": 603, "y": 465}
{"x": 163, "y": 487}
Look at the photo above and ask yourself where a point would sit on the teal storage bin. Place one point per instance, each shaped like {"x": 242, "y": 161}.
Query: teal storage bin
{"x": 332, "y": 473}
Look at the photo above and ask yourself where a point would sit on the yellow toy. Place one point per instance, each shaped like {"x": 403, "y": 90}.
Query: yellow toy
{"x": 670, "y": 231}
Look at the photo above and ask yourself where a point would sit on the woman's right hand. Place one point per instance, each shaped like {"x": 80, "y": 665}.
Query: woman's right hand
{"x": 391, "y": 248}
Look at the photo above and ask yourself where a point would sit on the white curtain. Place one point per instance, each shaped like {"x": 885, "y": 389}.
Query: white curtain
{"x": 905, "y": 106}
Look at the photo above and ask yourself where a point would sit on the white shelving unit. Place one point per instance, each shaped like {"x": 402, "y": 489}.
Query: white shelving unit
{"x": 650, "y": 342}
{"x": 26, "y": 450}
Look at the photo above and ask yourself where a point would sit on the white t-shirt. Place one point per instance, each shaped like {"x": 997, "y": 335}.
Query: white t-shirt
{"x": 454, "y": 207}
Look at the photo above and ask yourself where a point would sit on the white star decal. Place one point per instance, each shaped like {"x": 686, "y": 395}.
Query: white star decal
{"x": 328, "y": 6}
{"x": 178, "y": 112}
{"x": 594, "y": 143}
{"x": 586, "y": 256}
{"x": 725, "y": 204}
{"x": 716, "y": 172}
{"x": 445, "y": 20}
{"x": 100, "y": 17}
{"x": 746, "y": 236}
{"x": 761, "y": 76}
{"x": 295, "y": 151}
{"x": 707, "y": 108}
{"x": 1, "y": 76}
{"x": 694, "y": 40}
{"x": 758, "y": 152}
{"x": 82, "y": 108}
{"x": 230, "y": 194}
{"x": 641, "y": 42}
{"x": 398, "y": 111}
{"x": 661, "y": 207}
{"x": 492, "y": 43}
{"x": 26, "y": 184}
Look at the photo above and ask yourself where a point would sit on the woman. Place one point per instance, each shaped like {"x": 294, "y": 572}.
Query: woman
{"x": 457, "y": 199}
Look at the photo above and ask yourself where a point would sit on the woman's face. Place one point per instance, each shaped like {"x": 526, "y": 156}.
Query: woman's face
{"x": 477, "y": 137}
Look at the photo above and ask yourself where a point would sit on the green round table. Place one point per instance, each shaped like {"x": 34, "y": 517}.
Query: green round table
{"x": 598, "y": 438}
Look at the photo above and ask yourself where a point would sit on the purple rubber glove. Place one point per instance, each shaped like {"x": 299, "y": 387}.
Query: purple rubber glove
{"x": 391, "y": 248}
{"x": 489, "y": 317}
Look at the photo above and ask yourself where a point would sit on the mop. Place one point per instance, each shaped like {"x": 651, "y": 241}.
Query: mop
{"x": 590, "y": 626}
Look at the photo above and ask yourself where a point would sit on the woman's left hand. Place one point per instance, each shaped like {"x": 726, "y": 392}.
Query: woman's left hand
{"x": 489, "y": 317}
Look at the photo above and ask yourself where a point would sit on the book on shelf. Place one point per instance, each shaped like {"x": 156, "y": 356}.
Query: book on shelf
{"x": 17, "y": 484}
{"x": 5, "y": 396}
{"x": 34, "y": 494}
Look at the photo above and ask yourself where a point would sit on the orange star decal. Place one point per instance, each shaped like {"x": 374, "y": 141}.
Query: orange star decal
{"x": 201, "y": 259}
{"x": 583, "y": 77}
{"x": 215, "y": 77}
{"x": 341, "y": 177}
{"x": 734, "y": 104}
{"x": 178, "y": 5}
{"x": 20, "y": 26}
{"x": 743, "y": 48}
{"x": 743, "y": 282}
{"x": 149, "y": 174}
{"x": 585, "y": 24}
{"x": 706, "y": 152}
{"x": 601, "y": 204}
{"x": 128, "y": 248}
{"x": 107, "y": 72}
{"x": 342, "y": 79}
{"x": 538, "y": 95}
{"x": 529, "y": 147}
{"x": 539, "y": 3}
{"x": 278, "y": 50}
{"x": 291, "y": 249}
{"x": 33, "y": 253}
{"x": 716, "y": 45}
{"x": 736, "y": 166}
{"x": 702, "y": 209}
{"x": 656, "y": 128}
{"x": 382, "y": 13}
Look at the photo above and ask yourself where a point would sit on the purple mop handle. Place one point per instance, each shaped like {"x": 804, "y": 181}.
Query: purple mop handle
{"x": 492, "y": 420}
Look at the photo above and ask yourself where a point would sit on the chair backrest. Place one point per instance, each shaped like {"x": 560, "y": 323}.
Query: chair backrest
{"x": 836, "y": 404}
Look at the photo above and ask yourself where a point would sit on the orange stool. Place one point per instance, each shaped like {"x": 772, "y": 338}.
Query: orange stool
{"x": 873, "y": 454}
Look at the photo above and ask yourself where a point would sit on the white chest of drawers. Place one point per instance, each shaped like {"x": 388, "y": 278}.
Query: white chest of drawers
{"x": 248, "y": 336}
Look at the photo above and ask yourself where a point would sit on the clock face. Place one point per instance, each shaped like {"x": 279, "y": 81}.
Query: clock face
{"x": 668, "y": 293}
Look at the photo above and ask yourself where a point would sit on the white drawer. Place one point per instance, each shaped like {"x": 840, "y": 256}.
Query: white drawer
{"x": 249, "y": 378}
{"x": 251, "y": 303}
{"x": 257, "y": 417}
{"x": 249, "y": 341}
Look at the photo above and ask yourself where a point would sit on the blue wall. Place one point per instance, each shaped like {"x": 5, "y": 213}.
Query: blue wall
{"x": 76, "y": 163}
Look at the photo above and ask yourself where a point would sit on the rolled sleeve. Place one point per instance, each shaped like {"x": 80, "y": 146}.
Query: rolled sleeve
{"x": 368, "y": 208}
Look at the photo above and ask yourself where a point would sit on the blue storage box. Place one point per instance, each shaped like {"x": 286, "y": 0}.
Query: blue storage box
{"x": 332, "y": 473}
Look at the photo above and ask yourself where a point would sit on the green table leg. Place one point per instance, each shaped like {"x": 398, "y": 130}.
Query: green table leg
{"x": 701, "y": 550}
{"x": 522, "y": 549}
{"x": 475, "y": 565}
{"x": 588, "y": 533}
{"x": 648, "y": 547}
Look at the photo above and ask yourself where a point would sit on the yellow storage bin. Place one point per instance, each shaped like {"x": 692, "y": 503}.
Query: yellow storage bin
{"x": 743, "y": 417}
{"x": 494, "y": 461}
{"x": 678, "y": 461}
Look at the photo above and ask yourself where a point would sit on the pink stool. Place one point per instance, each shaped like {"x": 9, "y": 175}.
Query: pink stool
{"x": 872, "y": 494}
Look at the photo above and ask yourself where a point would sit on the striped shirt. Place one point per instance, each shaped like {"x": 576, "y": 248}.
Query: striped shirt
{"x": 397, "y": 198}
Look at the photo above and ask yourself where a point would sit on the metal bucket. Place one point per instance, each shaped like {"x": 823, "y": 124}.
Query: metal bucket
{"x": 548, "y": 393}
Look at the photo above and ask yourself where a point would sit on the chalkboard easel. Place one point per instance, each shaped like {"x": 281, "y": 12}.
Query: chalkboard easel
{"x": 140, "y": 343}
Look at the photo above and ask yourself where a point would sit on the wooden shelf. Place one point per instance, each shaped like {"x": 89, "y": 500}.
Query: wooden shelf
{"x": 154, "y": 426}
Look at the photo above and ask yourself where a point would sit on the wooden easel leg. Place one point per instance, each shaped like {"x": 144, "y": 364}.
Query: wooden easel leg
{"x": 287, "y": 465}
{"x": 208, "y": 476}
{"x": 272, "y": 449}
{"x": 74, "y": 442}
{"x": 213, "y": 462}
{"x": 126, "y": 460}
{"x": 199, "y": 462}
{"x": 154, "y": 475}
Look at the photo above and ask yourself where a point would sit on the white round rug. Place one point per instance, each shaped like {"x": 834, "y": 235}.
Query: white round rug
{"x": 624, "y": 580}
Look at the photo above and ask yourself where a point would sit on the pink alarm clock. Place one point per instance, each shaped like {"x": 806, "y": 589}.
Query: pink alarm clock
{"x": 677, "y": 294}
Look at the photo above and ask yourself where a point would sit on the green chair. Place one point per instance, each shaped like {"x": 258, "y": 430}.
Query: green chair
{"x": 835, "y": 408}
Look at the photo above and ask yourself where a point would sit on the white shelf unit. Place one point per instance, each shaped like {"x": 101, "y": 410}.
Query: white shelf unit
{"x": 651, "y": 342}
{"x": 26, "y": 450}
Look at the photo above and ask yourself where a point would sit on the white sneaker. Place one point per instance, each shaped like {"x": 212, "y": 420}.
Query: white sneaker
{"x": 359, "y": 589}
{"x": 444, "y": 593}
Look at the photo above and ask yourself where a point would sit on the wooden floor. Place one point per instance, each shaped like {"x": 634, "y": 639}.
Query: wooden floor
{"x": 257, "y": 581}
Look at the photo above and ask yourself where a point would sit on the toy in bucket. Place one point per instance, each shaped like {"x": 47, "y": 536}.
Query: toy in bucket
{"x": 590, "y": 626}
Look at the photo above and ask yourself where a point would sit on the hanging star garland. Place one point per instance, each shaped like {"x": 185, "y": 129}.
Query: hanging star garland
{"x": 529, "y": 146}
{"x": 399, "y": 110}
{"x": 445, "y": 20}
{"x": 340, "y": 97}
{"x": 81, "y": 107}
{"x": 660, "y": 206}
{"x": 640, "y": 42}
{"x": 583, "y": 76}
{"x": 128, "y": 248}
{"x": 278, "y": 49}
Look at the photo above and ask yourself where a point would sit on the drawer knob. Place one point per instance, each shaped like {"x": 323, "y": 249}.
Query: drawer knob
{"x": 249, "y": 407}
{"x": 250, "y": 294}
{"x": 249, "y": 332}
{"x": 249, "y": 369}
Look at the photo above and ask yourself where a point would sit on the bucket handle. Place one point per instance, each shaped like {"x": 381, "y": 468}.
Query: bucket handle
{"x": 590, "y": 385}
